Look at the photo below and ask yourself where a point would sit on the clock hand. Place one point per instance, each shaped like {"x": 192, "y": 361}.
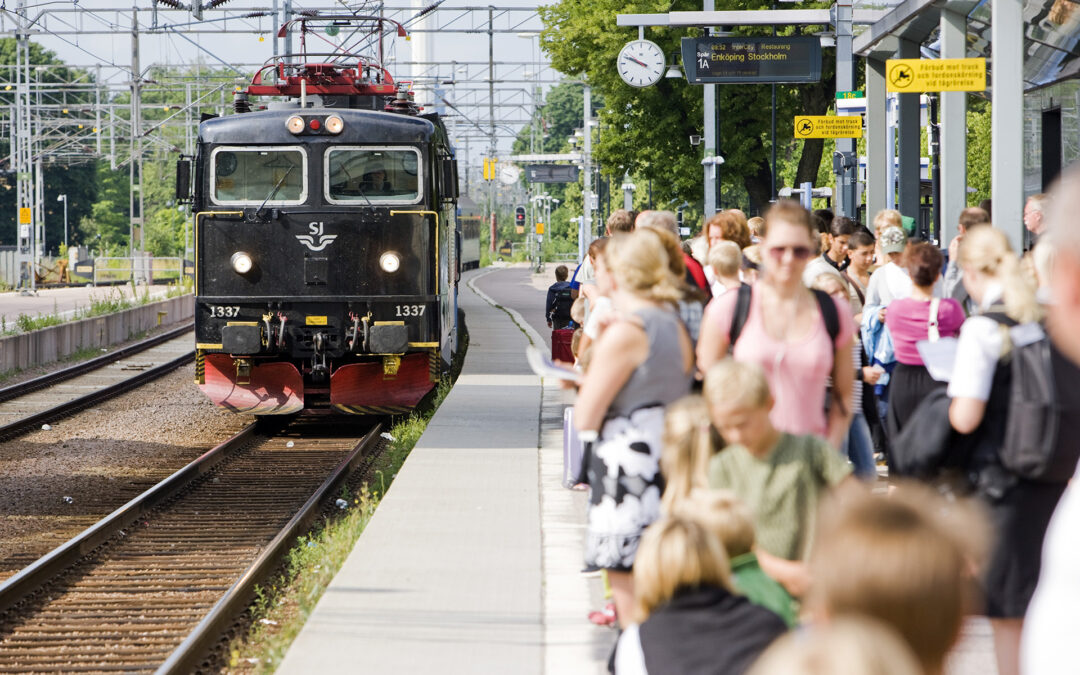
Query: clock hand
{"x": 643, "y": 65}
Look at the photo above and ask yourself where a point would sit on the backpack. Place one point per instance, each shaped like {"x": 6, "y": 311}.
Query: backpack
{"x": 742, "y": 311}
{"x": 1030, "y": 447}
{"x": 564, "y": 300}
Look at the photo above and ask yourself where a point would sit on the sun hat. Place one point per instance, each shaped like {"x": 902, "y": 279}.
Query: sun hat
{"x": 893, "y": 240}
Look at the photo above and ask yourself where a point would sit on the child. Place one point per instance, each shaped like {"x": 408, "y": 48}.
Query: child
{"x": 904, "y": 560}
{"x": 850, "y": 646}
{"x": 725, "y": 260}
{"x": 724, "y": 515}
{"x": 688, "y": 619}
{"x": 859, "y": 445}
{"x": 688, "y": 445}
{"x": 778, "y": 475}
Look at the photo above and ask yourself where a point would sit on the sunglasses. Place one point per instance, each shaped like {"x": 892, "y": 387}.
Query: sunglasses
{"x": 797, "y": 252}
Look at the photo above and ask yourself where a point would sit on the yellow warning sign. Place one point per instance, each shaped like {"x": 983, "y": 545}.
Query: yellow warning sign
{"x": 24, "y": 216}
{"x": 823, "y": 126}
{"x": 922, "y": 75}
{"x": 315, "y": 321}
{"x": 539, "y": 228}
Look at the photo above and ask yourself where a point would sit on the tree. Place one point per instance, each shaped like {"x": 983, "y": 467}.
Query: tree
{"x": 647, "y": 131}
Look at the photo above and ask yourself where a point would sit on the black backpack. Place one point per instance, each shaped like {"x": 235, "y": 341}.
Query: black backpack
{"x": 1030, "y": 447}
{"x": 742, "y": 311}
{"x": 564, "y": 300}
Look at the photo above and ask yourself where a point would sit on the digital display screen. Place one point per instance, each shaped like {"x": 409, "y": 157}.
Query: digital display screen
{"x": 741, "y": 60}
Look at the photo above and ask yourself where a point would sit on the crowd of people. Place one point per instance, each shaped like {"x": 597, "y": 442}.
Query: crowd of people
{"x": 813, "y": 447}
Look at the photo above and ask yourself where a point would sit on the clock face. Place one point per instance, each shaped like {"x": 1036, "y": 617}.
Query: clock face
{"x": 641, "y": 63}
{"x": 509, "y": 174}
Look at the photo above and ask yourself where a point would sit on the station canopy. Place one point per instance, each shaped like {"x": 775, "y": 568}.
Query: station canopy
{"x": 1051, "y": 33}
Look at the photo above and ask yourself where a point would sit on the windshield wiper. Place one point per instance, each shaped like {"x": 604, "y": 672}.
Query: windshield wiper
{"x": 275, "y": 190}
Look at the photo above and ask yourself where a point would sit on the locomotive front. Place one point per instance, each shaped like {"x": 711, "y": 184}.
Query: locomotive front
{"x": 324, "y": 272}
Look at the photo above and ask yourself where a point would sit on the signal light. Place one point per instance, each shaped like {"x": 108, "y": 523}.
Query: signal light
{"x": 390, "y": 262}
{"x": 315, "y": 125}
{"x": 241, "y": 262}
{"x": 334, "y": 124}
{"x": 295, "y": 124}
{"x": 519, "y": 216}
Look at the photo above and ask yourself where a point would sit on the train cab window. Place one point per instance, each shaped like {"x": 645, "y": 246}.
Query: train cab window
{"x": 382, "y": 175}
{"x": 253, "y": 175}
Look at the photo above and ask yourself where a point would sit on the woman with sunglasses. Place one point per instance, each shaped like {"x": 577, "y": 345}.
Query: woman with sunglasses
{"x": 787, "y": 334}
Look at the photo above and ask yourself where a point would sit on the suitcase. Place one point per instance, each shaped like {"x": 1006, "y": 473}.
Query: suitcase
{"x": 561, "y": 339}
{"x": 573, "y": 449}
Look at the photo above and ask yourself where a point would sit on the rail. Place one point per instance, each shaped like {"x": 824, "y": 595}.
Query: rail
{"x": 57, "y": 376}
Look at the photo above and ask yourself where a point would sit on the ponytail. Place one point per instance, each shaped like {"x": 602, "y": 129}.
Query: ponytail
{"x": 688, "y": 447}
{"x": 987, "y": 250}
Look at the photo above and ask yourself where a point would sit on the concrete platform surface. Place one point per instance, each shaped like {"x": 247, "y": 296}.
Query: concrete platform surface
{"x": 63, "y": 301}
{"x": 456, "y": 570}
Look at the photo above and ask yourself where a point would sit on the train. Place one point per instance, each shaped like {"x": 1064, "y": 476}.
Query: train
{"x": 327, "y": 245}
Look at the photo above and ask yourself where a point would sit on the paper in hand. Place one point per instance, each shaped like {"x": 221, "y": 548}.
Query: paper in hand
{"x": 543, "y": 366}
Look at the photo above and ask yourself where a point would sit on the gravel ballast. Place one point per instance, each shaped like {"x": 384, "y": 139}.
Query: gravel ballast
{"x": 55, "y": 483}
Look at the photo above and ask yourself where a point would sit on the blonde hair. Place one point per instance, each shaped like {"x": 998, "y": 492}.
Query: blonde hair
{"x": 723, "y": 514}
{"x": 641, "y": 265}
{"x": 902, "y": 560}
{"x": 826, "y": 281}
{"x": 577, "y": 310}
{"x": 730, "y": 382}
{"x": 887, "y": 218}
{"x": 575, "y": 342}
{"x": 848, "y": 646}
{"x": 725, "y": 258}
{"x": 753, "y": 252}
{"x": 757, "y": 226}
{"x": 676, "y": 554}
{"x": 988, "y": 251}
{"x": 688, "y": 446}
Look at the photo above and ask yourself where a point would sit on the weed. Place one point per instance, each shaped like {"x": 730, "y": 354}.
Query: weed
{"x": 112, "y": 302}
{"x": 283, "y": 603}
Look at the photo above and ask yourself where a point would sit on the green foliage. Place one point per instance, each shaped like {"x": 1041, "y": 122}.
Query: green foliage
{"x": 979, "y": 167}
{"x": 646, "y": 131}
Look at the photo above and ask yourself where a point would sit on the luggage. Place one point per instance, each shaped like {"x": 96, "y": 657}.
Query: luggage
{"x": 561, "y": 339}
{"x": 573, "y": 449}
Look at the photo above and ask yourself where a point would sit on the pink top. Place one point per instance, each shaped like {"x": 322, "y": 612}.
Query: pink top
{"x": 796, "y": 370}
{"x": 908, "y": 320}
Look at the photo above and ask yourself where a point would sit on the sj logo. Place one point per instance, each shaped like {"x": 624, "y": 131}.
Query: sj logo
{"x": 315, "y": 239}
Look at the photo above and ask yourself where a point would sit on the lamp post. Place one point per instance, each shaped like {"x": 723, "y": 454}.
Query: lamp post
{"x": 63, "y": 198}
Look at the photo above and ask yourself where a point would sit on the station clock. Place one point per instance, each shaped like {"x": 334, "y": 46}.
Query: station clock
{"x": 641, "y": 63}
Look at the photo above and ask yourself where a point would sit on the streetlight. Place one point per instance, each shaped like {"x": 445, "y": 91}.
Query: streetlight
{"x": 63, "y": 198}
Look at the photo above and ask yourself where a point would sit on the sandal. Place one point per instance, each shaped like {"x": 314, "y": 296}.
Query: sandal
{"x": 603, "y": 617}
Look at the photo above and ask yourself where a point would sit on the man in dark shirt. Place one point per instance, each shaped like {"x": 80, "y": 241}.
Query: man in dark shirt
{"x": 559, "y": 300}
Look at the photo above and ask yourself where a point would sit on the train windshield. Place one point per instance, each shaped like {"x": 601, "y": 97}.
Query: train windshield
{"x": 254, "y": 175}
{"x": 380, "y": 175}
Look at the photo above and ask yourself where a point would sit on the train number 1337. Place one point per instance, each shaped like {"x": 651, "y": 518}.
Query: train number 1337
{"x": 224, "y": 311}
{"x": 410, "y": 310}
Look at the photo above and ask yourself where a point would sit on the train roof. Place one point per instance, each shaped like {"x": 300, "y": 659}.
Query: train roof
{"x": 361, "y": 126}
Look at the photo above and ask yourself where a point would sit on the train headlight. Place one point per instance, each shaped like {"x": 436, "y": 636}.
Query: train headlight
{"x": 241, "y": 262}
{"x": 334, "y": 124}
{"x": 390, "y": 262}
{"x": 295, "y": 124}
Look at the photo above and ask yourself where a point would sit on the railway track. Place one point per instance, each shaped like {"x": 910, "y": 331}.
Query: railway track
{"x": 156, "y": 585}
{"x": 30, "y": 404}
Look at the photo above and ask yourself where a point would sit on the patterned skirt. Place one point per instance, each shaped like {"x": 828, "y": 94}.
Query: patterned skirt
{"x": 623, "y": 471}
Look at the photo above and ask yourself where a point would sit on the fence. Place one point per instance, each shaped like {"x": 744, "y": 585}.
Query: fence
{"x": 143, "y": 269}
{"x": 9, "y": 268}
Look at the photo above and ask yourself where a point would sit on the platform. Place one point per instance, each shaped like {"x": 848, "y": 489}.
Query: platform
{"x": 472, "y": 561}
{"x": 65, "y": 301}
{"x": 471, "y": 564}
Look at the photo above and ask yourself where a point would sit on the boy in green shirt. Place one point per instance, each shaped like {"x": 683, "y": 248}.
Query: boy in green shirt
{"x": 780, "y": 477}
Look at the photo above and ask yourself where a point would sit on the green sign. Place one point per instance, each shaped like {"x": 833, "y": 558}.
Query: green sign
{"x": 844, "y": 95}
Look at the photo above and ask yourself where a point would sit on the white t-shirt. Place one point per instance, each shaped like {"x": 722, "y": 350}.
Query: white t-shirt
{"x": 629, "y": 657}
{"x": 977, "y": 352}
{"x": 888, "y": 282}
{"x": 1052, "y": 623}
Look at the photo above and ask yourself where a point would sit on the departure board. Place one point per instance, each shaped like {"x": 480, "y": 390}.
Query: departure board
{"x": 740, "y": 60}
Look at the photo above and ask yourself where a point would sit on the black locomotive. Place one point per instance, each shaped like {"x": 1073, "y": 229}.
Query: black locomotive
{"x": 327, "y": 247}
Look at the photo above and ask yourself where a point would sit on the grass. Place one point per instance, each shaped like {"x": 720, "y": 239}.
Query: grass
{"x": 284, "y": 602}
{"x": 111, "y": 302}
